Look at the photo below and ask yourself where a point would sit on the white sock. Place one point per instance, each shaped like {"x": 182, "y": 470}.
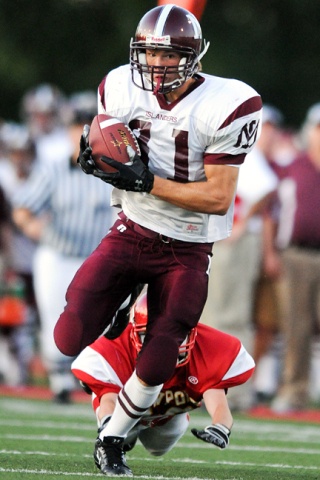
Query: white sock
{"x": 133, "y": 401}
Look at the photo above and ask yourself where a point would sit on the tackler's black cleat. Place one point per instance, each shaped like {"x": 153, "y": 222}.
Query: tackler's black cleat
{"x": 121, "y": 319}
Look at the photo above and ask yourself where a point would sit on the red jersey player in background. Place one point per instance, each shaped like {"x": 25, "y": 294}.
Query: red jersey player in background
{"x": 202, "y": 373}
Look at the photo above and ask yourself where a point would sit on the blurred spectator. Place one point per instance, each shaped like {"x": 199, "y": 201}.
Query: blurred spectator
{"x": 237, "y": 260}
{"x": 80, "y": 102}
{"x": 280, "y": 147}
{"x": 4, "y": 256}
{"x": 44, "y": 110}
{"x": 68, "y": 213}
{"x": 15, "y": 169}
{"x": 299, "y": 239}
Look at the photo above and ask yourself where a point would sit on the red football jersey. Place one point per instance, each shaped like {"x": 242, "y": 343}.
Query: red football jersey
{"x": 218, "y": 360}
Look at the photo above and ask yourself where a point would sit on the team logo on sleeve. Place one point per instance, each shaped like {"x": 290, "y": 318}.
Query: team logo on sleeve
{"x": 247, "y": 135}
{"x": 193, "y": 380}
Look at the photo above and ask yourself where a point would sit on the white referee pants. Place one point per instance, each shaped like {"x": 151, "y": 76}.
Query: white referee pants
{"x": 52, "y": 274}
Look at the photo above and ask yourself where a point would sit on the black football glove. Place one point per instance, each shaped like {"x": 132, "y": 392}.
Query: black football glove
{"x": 85, "y": 159}
{"x": 133, "y": 177}
{"x": 216, "y": 434}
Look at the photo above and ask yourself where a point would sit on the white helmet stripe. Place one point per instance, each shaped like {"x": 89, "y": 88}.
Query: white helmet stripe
{"x": 162, "y": 20}
{"x": 196, "y": 26}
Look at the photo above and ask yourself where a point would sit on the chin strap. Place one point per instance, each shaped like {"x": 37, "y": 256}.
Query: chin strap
{"x": 157, "y": 87}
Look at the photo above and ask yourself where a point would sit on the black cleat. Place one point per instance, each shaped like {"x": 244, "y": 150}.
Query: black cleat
{"x": 119, "y": 323}
{"x": 109, "y": 457}
{"x": 63, "y": 397}
{"x": 121, "y": 319}
{"x": 85, "y": 387}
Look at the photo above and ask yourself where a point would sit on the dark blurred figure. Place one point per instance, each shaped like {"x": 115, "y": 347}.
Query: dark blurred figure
{"x": 22, "y": 322}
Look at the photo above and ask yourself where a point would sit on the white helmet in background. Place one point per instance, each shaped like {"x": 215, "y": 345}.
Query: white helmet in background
{"x": 42, "y": 108}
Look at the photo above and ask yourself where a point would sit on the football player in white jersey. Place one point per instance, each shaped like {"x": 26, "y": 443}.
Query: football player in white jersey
{"x": 194, "y": 131}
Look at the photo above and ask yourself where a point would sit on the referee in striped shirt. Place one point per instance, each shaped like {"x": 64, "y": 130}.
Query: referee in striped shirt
{"x": 67, "y": 213}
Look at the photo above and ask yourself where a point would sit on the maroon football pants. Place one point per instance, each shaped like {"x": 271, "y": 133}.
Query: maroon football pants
{"x": 177, "y": 276}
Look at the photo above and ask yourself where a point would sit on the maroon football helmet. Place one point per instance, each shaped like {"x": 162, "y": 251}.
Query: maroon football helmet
{"x": 139, "y": 320}
{"x": 166, "y": 27}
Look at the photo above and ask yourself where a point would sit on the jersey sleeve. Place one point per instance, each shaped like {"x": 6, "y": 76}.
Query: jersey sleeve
{"x": 105, "y": 365}
{"x": 219, "y": 360}
{"x": 236, "y": 134}
{"x": 101, "y": 96}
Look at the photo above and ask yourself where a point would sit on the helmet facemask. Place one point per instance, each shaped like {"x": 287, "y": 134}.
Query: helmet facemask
{"x": 139, "y": 320}
{"x": 143, "y": 75}
{"x": 168, "y": 28}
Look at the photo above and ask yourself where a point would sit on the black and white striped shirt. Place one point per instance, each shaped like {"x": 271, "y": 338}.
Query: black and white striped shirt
{"x": 78, "y": 207}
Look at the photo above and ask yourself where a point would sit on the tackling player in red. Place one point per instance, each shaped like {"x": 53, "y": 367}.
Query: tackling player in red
{"x": 209, "y": 363}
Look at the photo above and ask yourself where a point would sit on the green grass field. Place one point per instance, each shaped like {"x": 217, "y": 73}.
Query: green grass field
{"x": 41, "y": 440}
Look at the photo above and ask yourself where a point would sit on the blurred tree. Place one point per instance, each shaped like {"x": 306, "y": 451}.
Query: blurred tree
{"x": 272, "y": 45}
{"x": 69, "y": 43}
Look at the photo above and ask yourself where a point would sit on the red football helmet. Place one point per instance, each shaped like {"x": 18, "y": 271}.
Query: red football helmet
{"x": 166, "y": 27}
{"x": 139, "y": 320}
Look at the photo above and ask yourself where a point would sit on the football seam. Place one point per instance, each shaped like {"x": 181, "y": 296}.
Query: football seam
{"x": 134, "y": 138}
{"x": 114, "y": 121}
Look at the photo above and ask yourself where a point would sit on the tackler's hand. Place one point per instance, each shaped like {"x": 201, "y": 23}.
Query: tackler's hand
{"x": 216, "y": 434}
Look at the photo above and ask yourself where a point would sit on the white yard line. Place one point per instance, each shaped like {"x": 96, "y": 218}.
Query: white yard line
{"x": 85, "y": 474}
{"x": 181, "y": 444}
{"x": 49, "y": 425}
{"x": 157, "y": 477}
{"x": 269, "y": 465}
{"x": 184, "y": 446}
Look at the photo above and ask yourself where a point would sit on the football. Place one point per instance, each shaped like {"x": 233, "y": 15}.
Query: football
{"x": 110, "y": 137}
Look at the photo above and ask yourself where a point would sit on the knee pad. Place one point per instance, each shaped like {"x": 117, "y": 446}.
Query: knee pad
{"x": 157, "y": 360}
{"x": 68, "y": 335}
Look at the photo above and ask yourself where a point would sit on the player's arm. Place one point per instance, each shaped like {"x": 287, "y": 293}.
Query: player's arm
{"x": 31, "y": 225}
{"x": 212, "y": 196}
{"x": 219, "y": 431}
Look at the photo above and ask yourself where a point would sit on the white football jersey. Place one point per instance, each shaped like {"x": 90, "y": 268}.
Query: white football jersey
{"x": 215, "y": 122}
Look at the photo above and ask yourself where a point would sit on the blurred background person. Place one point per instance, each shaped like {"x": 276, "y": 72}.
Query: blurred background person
{"x": 298, "y": 238}
{"x": 45, "y": 110}
{"x": 15, "y": 169}
{"x": 196, "y": 7}
{"x": 67, "y": 213}
{"x": 237, "y": 260}
{"x": 280, "y": 147}
{"x": 4, "y": 261}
